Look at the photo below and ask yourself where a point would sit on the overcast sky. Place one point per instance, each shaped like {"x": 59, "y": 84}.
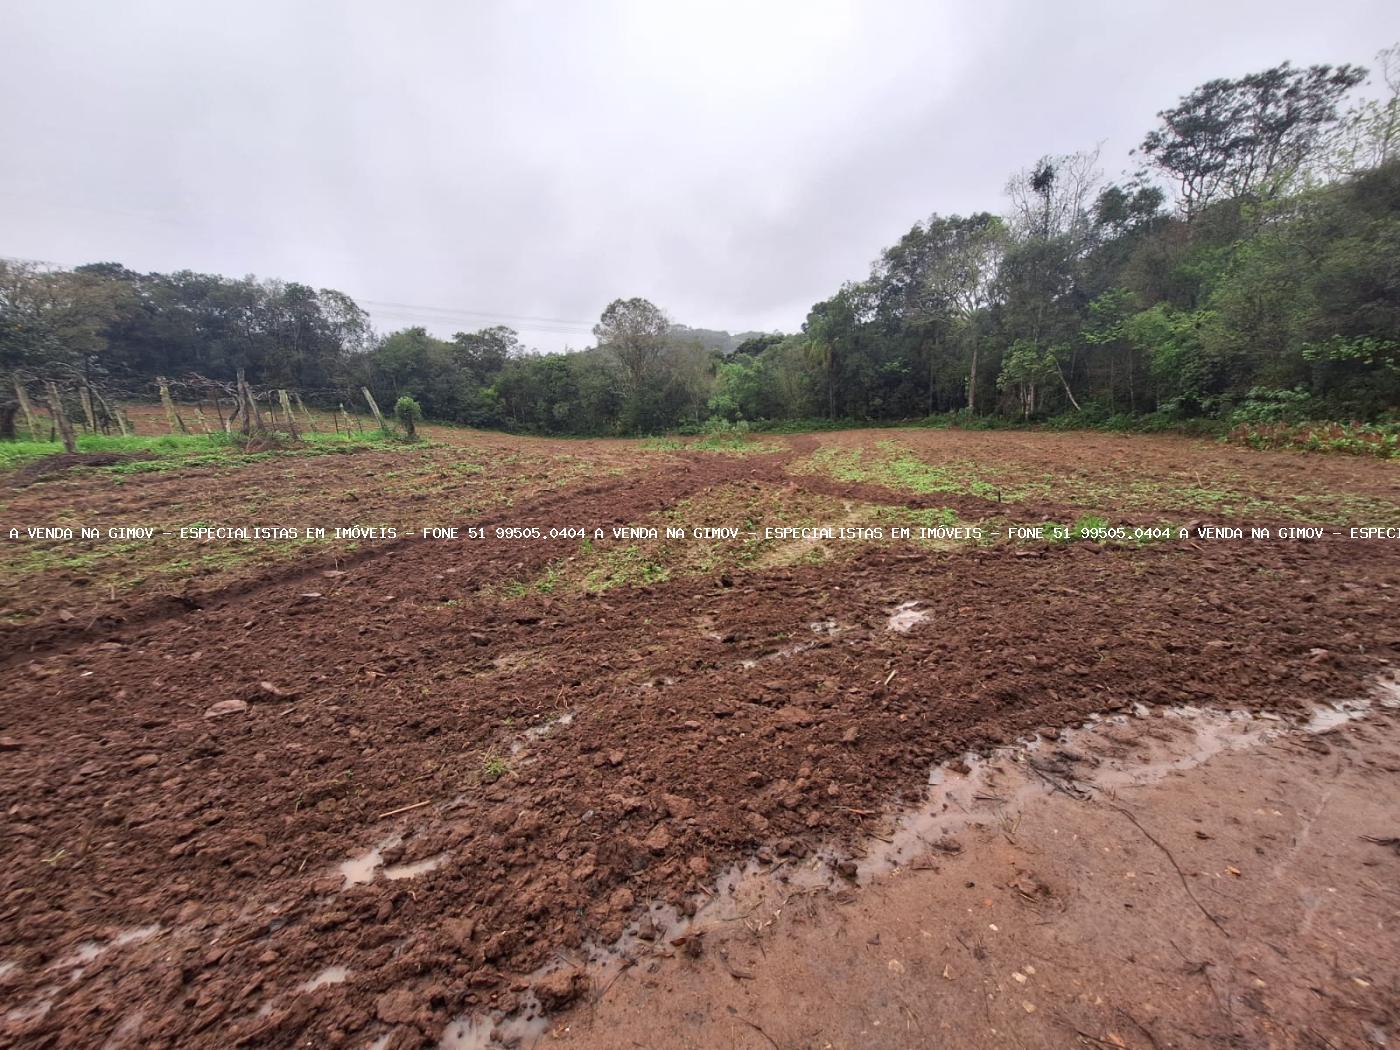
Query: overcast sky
{"x": 476, "y": 163}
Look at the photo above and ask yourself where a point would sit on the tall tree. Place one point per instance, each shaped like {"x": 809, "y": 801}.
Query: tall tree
{"x": 1248, "y": 137}
{"x": 1055, "y": 196}
{"x": 1369, "y": 133}
{"x": 936, "y": 279}
{"x": 635, "y": 332}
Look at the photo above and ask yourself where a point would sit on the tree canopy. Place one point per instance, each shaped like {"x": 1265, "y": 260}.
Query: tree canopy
{"x": 1250, "y": 266}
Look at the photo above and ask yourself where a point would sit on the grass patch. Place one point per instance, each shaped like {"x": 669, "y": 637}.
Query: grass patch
{"x": 896, "y": 468}
{"x": 493, "y": 768}
{"x": 180, "y": 451}
{"x": 737, "y": 443}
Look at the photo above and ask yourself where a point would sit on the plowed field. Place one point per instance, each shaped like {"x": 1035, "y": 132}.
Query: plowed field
{"x": 344, "y": 793}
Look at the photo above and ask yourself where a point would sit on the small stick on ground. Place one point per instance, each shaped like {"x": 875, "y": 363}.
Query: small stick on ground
{"x": 1179, "y": 873}
{"x": 626, "y": 965}
{"x": 1072, "y": 791}
{"x": 771, "y": 1041}
{"x": 405, "y": 809}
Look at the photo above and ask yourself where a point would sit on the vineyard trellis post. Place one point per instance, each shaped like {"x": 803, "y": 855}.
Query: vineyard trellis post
{"x": 374, "y": 407}
{"x": 60, "y": 418}
{"x": 27, "y": 407}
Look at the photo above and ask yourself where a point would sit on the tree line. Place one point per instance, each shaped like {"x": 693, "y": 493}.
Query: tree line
{"x": 1250, "y": 267}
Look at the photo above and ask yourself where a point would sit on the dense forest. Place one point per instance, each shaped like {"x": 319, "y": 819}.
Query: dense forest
{"x": 1249, "y": 269}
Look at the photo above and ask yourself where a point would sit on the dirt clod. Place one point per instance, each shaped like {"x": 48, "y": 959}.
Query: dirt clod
{"x": 226, "y": 707}
{"x": 559, "y": 989}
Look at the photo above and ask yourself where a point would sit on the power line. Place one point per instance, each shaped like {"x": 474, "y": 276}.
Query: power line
{"x": 553, "y": 323}
{"x": 460, "y": 324}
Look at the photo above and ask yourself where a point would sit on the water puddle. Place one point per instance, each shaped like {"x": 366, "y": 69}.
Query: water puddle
{"x": 1332, "y": 715}
{"x": 364, "y": 867}
{"x": 359, "y": 869}
{"x": 394, "y": 872}
{"x": 38, "y": 1007}
{"x": 780, "y": 654}
{"x": 539, "y": 732}
{"x": 76, "y": 963}
{"x": 323, "y": 979}
{"x": 906, "y": 616}
{"x": 87, "y": 951}
{"x": 523, "y": 1028}
{"x": 330, "y": 975}
{"x": 1105, "y": 754}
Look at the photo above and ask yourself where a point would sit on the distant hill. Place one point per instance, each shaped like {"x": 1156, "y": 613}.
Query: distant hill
{"x": 713, "y": 338}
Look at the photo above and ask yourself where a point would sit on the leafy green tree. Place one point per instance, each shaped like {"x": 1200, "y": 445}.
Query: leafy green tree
{"x": 485, "y": 353}
{"x": 1249, "y": 137}
{"x": 1180, "y": 365}
{"x": 1024, "y": 372}
{"x": 408, "y": 412}
{"x": 1369, "y": 134}
{"x": 636, "y": 333}
{"x": 932, "y": 284}
{"x": 1107, "y": 329}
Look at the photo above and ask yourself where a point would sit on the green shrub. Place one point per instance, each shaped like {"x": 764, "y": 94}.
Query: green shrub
{"x": 1357, "y": 439}
{"x": 408, "y": 412}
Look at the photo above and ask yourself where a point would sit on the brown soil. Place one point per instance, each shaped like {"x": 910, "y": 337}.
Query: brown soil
{"x": 1049, "y": 920}
{"x": 50, "y": 466}
{"x": 710, "y": 720}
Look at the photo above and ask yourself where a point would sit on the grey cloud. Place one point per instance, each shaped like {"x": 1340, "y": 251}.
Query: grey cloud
{"x": 734, "y": 161}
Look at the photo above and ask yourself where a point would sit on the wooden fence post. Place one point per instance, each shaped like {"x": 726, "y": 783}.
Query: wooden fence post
{"x": 171, "y": 416}
{"x": 60, "y": 418}
{"x": 373, "y": 407}
{"x": 310, "y": 423}
{"x": 116, "y": 414}
{"x": 252, "y": 418}
{"x": 218, "y": 409}
{"x": 85, "y": 398}
{"x": 286, "y": 403}
{"x": 27, "y": 407}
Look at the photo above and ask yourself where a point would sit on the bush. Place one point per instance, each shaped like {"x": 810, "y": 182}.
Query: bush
{"x": 718, "y": 426}
{"x": 1356, "y": 439}
{"x": 1271, "y": 405}
{"x": 408, "y": 412}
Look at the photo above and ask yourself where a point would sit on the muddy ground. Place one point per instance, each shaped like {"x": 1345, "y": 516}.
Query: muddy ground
{"x": 1033, "y": 901}
{"x": 319, "y": 796}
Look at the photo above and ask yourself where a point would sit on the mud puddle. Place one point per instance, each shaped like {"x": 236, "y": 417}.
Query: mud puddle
{"x": 533, "y": 734}
{"x": 482, "y": 1033}
{"x": 365, "y": 867}
{"x": 1097, "y": 759}
{"x": 69, "y": 969}
{"x": 330, "y": 975}
{"x": 823, "y": 629}
{"x": 324, "y": 978}
{"x": 906, "y": 616}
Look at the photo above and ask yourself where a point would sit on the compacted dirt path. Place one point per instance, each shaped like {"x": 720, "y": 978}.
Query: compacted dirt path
{"x": 1253, "y": 900}
{"x": 364, "y": 800}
